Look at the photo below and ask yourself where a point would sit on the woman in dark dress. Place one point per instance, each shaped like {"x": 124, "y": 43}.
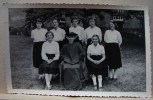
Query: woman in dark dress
{"x": 38, "y": 36}
{"x": 50, "y": 55}
{"x": 113, "y": 40}
{"x": 71, "y": 65}
{"x": 96, "y": 62}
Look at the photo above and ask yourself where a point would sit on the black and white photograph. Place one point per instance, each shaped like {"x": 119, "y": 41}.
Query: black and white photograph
{"x": 79, "y": 51}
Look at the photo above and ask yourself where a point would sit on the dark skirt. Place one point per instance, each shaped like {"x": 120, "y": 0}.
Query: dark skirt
{"x": 100, "y": 69}
{"x": 113, "y": 55}
{"x": 51, "y": 68}
{"x": 37, "y": 60}
{"x": 72, "y": 76}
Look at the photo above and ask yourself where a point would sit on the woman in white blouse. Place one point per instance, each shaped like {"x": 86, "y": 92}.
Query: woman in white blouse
{"x": 96, "y": 62}
{"x": 113, "y": 40}
{"x": 50, "y": 55}
{"x": 77, "y": 29}
{"x": 38, "y": 36}
{"x": 59, "y": 33}
{"x": 91, "y": 30}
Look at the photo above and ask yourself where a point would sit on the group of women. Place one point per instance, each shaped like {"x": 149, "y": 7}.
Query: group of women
{"x": 58, "y": 52}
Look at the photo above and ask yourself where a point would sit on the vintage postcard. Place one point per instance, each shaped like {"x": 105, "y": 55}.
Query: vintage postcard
{"x": 77, "y": 50}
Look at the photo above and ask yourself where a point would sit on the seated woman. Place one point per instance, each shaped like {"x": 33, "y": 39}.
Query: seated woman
{"x": 50, "y": 55}
{"x": 96, "y": 62}
{"x": 71, "y": 65}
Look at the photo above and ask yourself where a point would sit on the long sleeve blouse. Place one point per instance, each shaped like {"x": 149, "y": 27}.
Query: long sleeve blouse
{"x": 50, "y": 48}
{"x": 91, "y": 31}
{"x": 59, "y": 34}
{"x": 38, "y": 34}
{"x": 113, "y": 37}
{"x": 95, "y": 50}
{"x": 78, "y": 30}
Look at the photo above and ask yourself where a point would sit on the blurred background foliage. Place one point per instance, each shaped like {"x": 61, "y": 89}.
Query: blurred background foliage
{"x": 129, "y": 22}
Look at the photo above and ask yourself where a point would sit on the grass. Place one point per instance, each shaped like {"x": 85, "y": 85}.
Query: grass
{"x": 131, "y": 78}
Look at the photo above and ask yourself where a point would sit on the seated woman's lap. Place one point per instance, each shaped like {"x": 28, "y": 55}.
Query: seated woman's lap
{"x": 52, "y": 68}
{"x": 97, "y": 69}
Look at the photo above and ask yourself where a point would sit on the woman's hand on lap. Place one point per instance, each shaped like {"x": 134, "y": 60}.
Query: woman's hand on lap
{"x": 48, "y": 61}
{"x": 95, "y": 62}
{"x": 98, "y": 62}
{"x": 51, "y": 60}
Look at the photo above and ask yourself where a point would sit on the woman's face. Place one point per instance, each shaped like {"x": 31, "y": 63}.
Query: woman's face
{"x": 55, "y": 23}
{"x": 92, "y": 22}
{"x": 49, "y": 37}
{"x": 75, "y": 22}
{"x": 39, "y": 24}
{"x": 112, "y": 26}
{"x": 71, "y": 39}
{"x": 95, "y": 40}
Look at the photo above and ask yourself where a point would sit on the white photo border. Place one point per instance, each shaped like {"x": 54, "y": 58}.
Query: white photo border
{"x": 7, "y": 62}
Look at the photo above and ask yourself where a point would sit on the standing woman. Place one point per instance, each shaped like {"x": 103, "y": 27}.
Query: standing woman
{"x": 96, "y": 62}
{"x": 59, "y": 33}
{"x": 91, "y": 30}
{"x": 77, "y": 29}
{"x": 113, "y": 40}
{"x": 38, "y": 36}
{"x": 50, "y": 55}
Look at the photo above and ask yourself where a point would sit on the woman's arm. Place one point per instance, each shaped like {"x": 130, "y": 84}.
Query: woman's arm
{"x": 105, "y": 36}
{"x": 119, "y": 37}
{"x": 90, "y": 59}
{"x": 32, "y": 35}
{"x": 63, "y": 35}
{"x": 83, "y": 35}
{"x": 103, "y": 55}
{"x": 102, "y": 59}
{"x": 100, "y": 35}
{"x": 43, "y": 53}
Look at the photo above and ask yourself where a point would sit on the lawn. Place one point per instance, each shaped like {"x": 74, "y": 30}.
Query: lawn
{"x": 131, "y": 78}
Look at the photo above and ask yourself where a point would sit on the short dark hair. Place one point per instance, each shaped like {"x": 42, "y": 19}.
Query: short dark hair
{"x": 48, "y": 33}
{"x": 91, "y": 17}
{"x": 56, "y": 20}
{"x": 74, "y": 18}
{"x": 115, "y": 24}
{"x": 39, "y": 20}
